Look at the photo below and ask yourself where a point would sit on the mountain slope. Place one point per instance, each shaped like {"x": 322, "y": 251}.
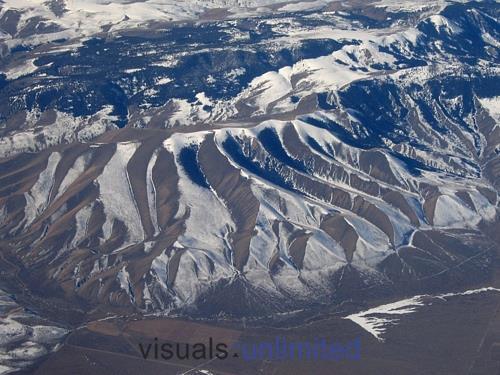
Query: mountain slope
{"x": 326, "y": 156}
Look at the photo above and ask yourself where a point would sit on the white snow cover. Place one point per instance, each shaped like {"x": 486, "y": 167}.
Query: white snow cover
{"x": 87, "y": 17}
{"x": 322, "y": 254}
{"x": 206, "y": 229}
{"x": 47, "y": 334}
{"x": 82, "y": 218}
{"x": 159, "y": 267}
{"x": 117, "y": 196}
{"x": 196, "y": 273}
{"x": 271, "y": 91}
{"x": 20, "y": 342}
{"x": 378, "y": 319}
{"x": 450, "y": 212}
{"x": 187, "y": 113}
{"x": 413, "y": 6}
{"x": 378, "y": 325}
{"x": 151, "y": 191}
{"x": 492, "y": 105}
{"x": 65, "y": 129}
{"x": 373, "y": 245}
{"x": 6, "y": 369}
{"x": 203, "y": 234}
{"x": 304, "y": 5}
{"x": 38, "y": 197}
{"x": 20, "y": 70}
{"x": 73, "y": 173}
{"x": 266, "y": 89}
{"x": 123, "y": 278}
{"x": 443, "y": 23}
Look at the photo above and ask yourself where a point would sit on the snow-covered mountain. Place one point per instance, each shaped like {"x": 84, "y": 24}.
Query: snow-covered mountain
{"x": 34, "y": 22}
{"x": 245, "y": 166}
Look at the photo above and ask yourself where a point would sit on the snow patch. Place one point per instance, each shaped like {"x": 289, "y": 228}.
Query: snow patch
{"x": 377, "y": 320}
{"x": 117, "y": 196}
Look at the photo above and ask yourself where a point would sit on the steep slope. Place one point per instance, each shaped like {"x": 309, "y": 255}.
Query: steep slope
{"x": 329, "y": 156}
